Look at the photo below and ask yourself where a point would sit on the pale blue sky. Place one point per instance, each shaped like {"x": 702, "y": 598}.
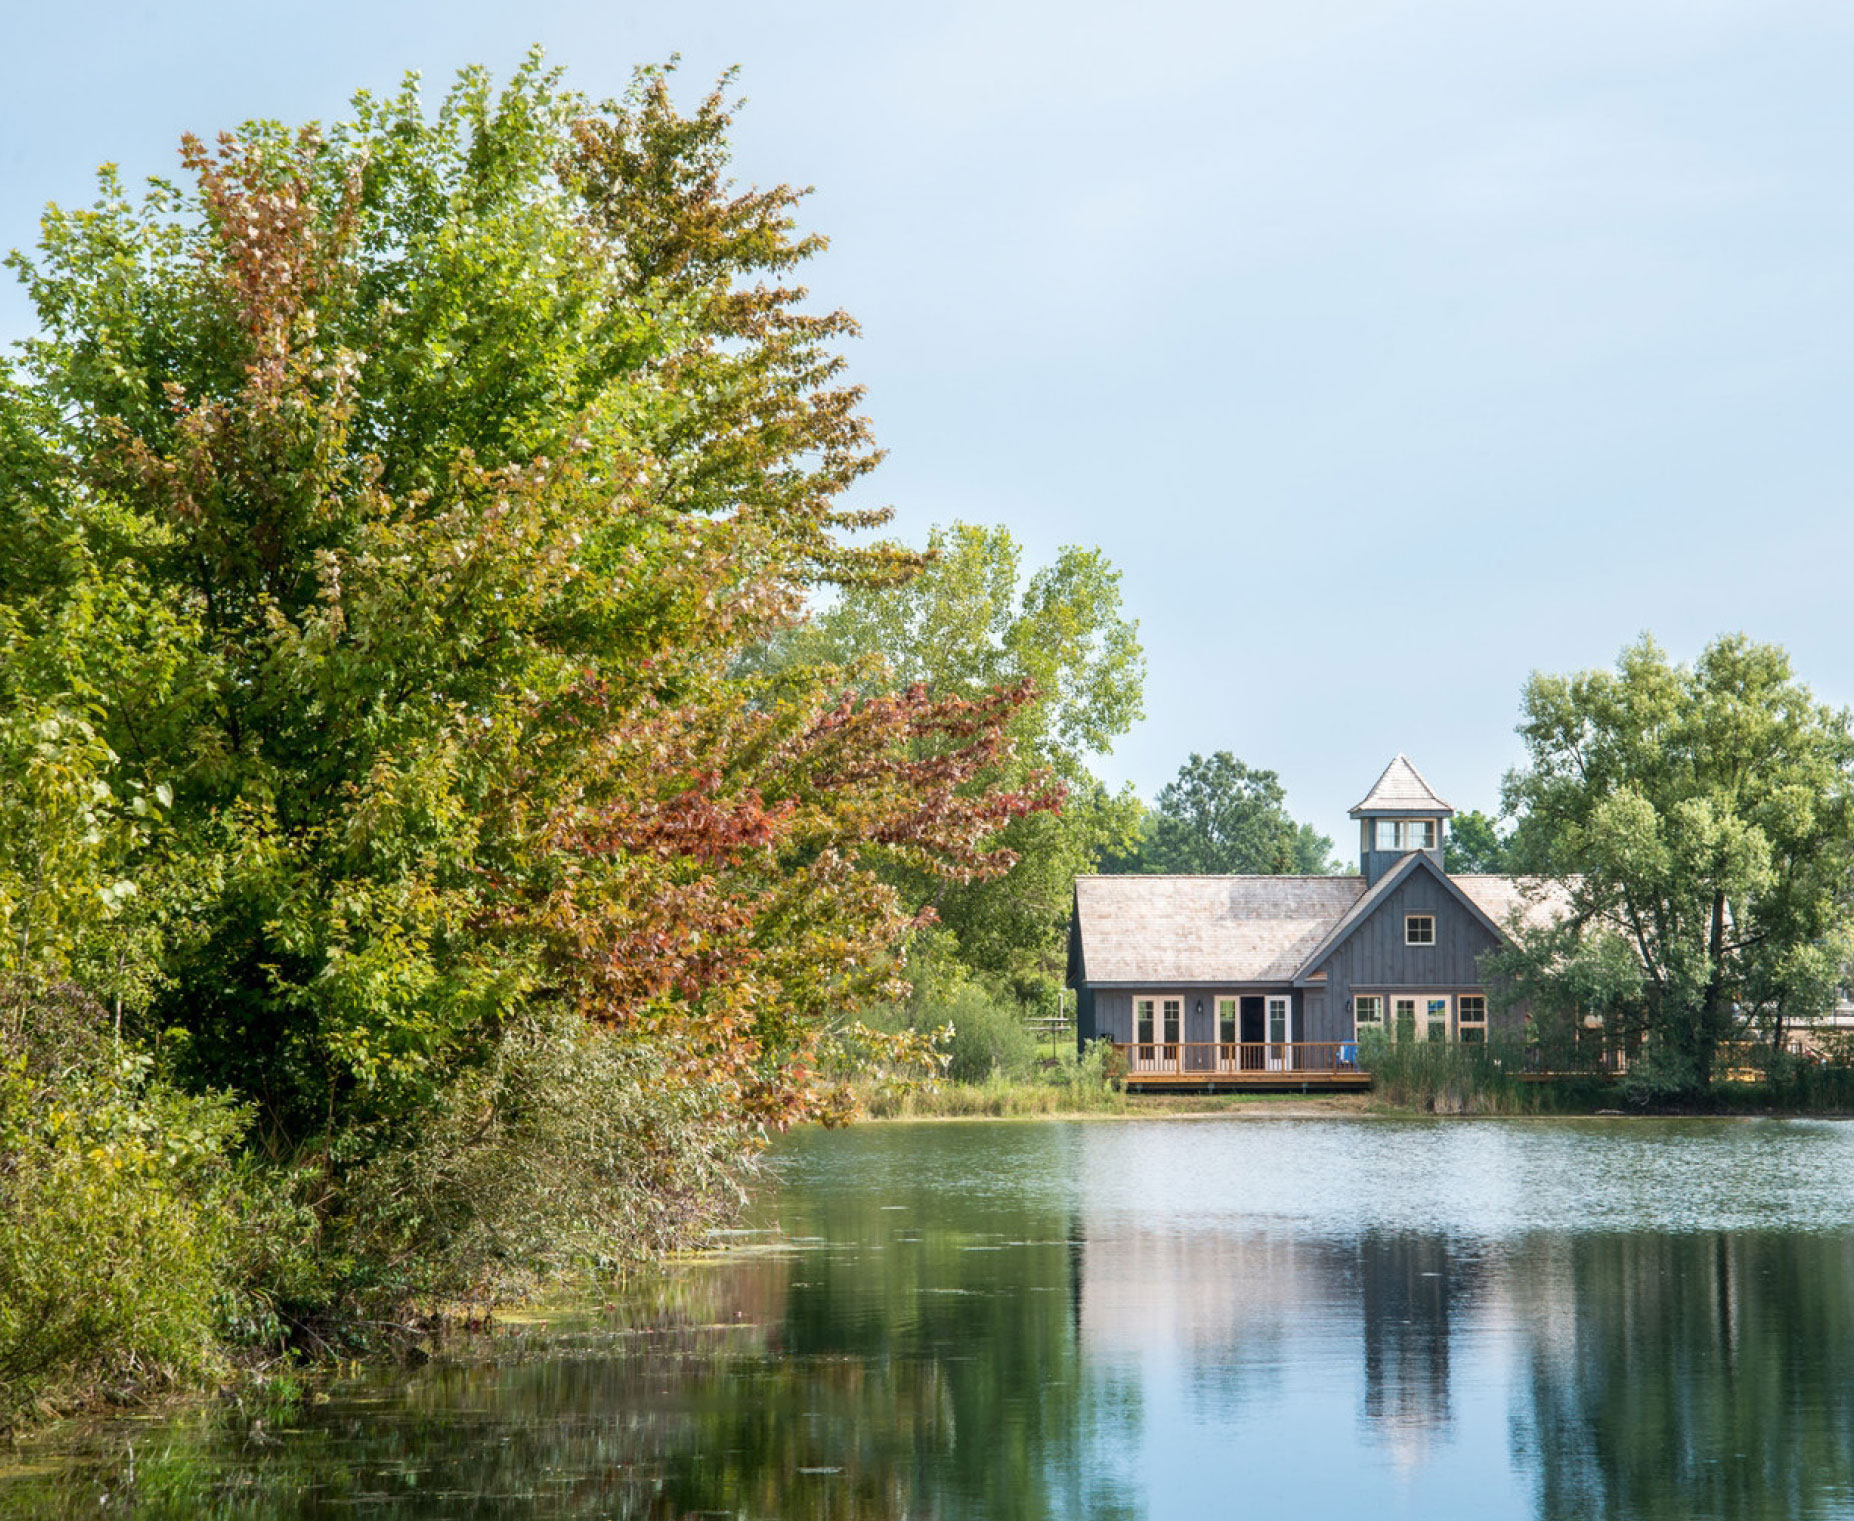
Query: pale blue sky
{"x": 1392, "y": 350}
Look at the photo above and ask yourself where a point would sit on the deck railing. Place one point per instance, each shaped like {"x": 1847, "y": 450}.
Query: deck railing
{"x": 1236, "y": 1058}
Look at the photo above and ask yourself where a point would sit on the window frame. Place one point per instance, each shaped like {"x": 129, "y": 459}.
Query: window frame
{"x": 1410, "y": 921}
{"x": 1359, "y": 1022}
{"x": 1403, "y": 835}
{"x": 1167, "y": 1014}
{"x": 1471, "y": 1029}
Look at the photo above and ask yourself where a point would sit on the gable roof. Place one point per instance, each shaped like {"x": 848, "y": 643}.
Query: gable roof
{"x": 1137, "y": 929}
{"x": 1401, "y": 789}
{"x": 1415, "y": 861}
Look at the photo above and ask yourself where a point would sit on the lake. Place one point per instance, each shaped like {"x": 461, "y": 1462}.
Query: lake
{"x": 1141, "y": 1318}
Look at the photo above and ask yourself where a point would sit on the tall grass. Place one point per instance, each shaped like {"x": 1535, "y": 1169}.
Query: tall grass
{"x": 1445, "y": 1077}
{"x": 1070, "y": 1084}
{"x": 1796, "y": 1087}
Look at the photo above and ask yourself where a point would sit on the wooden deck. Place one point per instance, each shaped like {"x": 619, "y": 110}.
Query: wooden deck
{"x": 1295, "y": 1064}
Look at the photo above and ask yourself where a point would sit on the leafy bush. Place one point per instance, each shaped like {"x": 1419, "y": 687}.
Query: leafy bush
{"x": 115, "y": 1190}
{"x": 989, "y": 1036}
{"x": 567, "y": 1149}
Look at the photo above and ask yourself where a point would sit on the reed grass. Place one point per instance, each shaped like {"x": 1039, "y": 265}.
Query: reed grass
{"x": 1445, "y": 1077}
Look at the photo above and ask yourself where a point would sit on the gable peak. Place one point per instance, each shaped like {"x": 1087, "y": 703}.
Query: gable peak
{"x": 1401, "y": 790}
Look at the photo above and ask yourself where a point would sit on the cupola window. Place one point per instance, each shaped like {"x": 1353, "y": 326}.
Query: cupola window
{"x": 1406, "y": 834}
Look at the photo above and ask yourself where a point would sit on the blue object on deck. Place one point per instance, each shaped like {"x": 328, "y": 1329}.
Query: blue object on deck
{"x": 1348, "y": 1054}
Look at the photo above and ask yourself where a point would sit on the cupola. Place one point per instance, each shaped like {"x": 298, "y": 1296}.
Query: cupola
{"x": 1401, "y": 813}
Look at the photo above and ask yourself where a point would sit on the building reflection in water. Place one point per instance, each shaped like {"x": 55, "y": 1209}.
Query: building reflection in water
{"x": 1637, "y": 1374}
{"x": 1237, "y": 1307}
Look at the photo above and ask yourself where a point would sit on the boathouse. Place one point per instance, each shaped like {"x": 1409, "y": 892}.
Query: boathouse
{"x": 1273, "y": 979}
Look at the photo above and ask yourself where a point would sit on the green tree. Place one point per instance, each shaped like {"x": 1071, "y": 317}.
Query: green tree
{"x": 971, "y": 623}
{"x": 1220, "y": 816}
{"x": 1474, "y": 844}
{"x": 1698, "y": 816}
{"x": 1313, "y": 853}
{"x": 436, "y": 471}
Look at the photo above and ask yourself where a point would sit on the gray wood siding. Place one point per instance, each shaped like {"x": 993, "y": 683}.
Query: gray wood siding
{"x": 1373, "y": 864}
{"x": 1311, "y": 1017}
{"x": 1374, "y": 958}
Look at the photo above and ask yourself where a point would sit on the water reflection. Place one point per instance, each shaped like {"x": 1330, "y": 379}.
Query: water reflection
{"x": 1134, "y": 1320}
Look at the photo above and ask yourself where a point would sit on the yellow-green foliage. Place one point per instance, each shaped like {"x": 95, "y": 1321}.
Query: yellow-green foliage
{"x": 113, "y": 1192}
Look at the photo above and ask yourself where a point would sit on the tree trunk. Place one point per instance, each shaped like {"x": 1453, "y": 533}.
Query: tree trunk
{"x": 1713, "y": 1019}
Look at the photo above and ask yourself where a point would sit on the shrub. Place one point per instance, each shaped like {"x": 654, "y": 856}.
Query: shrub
{"x": 989, "y": 1036}
{"x": 116, "y": 1194}
{"x": 572, "y": 1147}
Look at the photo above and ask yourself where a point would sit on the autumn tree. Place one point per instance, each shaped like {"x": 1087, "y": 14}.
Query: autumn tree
{"x": 973, "y": 622}
{"x": 418, "y": 485}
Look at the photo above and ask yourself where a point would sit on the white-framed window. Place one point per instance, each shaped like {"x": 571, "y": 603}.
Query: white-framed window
{"x": 1419, "y": 929}
{"x": 1368, "y": 1011}
{"x": 1436, "y": 1018}
{"x": 1157, "y": 1019}
{"x": 1406, "y": 834}
{"x": 1227, "y": 1023}
{"x": 1471, "y": 1019}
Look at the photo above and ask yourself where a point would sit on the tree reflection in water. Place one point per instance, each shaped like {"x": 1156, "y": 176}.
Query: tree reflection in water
{"x": 967, "y": 1321}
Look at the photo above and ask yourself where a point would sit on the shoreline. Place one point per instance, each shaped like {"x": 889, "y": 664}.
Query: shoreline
{"x": 1246, "y": 1107}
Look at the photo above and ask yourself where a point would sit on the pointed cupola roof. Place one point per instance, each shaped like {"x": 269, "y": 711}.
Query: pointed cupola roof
{"x": 1401, "y": 790}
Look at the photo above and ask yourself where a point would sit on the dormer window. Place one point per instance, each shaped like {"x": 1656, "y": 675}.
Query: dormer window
{"x": 1406, "y": 834}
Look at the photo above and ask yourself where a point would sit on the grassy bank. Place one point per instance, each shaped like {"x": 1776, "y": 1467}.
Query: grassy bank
{"x": 1015, "y": 1098}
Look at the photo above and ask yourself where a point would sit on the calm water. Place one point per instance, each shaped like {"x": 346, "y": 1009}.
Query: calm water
{"x": 1355, "y": 1318}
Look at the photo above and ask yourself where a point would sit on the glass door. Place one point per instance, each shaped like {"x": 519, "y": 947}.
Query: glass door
{"x": 1280, "y": 1058}
{"x": 1228, "y": 1057}
{"x": 1403, "y": 1019}
{"x": 1157, "y": 1028}
{"x": 1435, "y": 1018}
{"x": 1171, "y": 1018}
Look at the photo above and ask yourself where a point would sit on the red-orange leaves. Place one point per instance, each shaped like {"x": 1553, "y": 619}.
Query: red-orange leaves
{"x": 695, "y": 823}
{"x": 712, "y": 875}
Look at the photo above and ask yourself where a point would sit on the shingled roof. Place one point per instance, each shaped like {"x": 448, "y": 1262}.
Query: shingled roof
{"x": 1401, "y": 789}
{"x": 1538, "y": 900}
{"x": 1138, "y": 929}
{"x": 1155, "y": 930}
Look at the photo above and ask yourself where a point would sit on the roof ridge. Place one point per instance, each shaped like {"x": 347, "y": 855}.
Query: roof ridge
{"x": 1216, "y": 876}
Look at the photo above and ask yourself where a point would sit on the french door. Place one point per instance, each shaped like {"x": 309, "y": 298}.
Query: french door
{"x": 1280, "y": 1026}
{"x": 1157, "y": 1029}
